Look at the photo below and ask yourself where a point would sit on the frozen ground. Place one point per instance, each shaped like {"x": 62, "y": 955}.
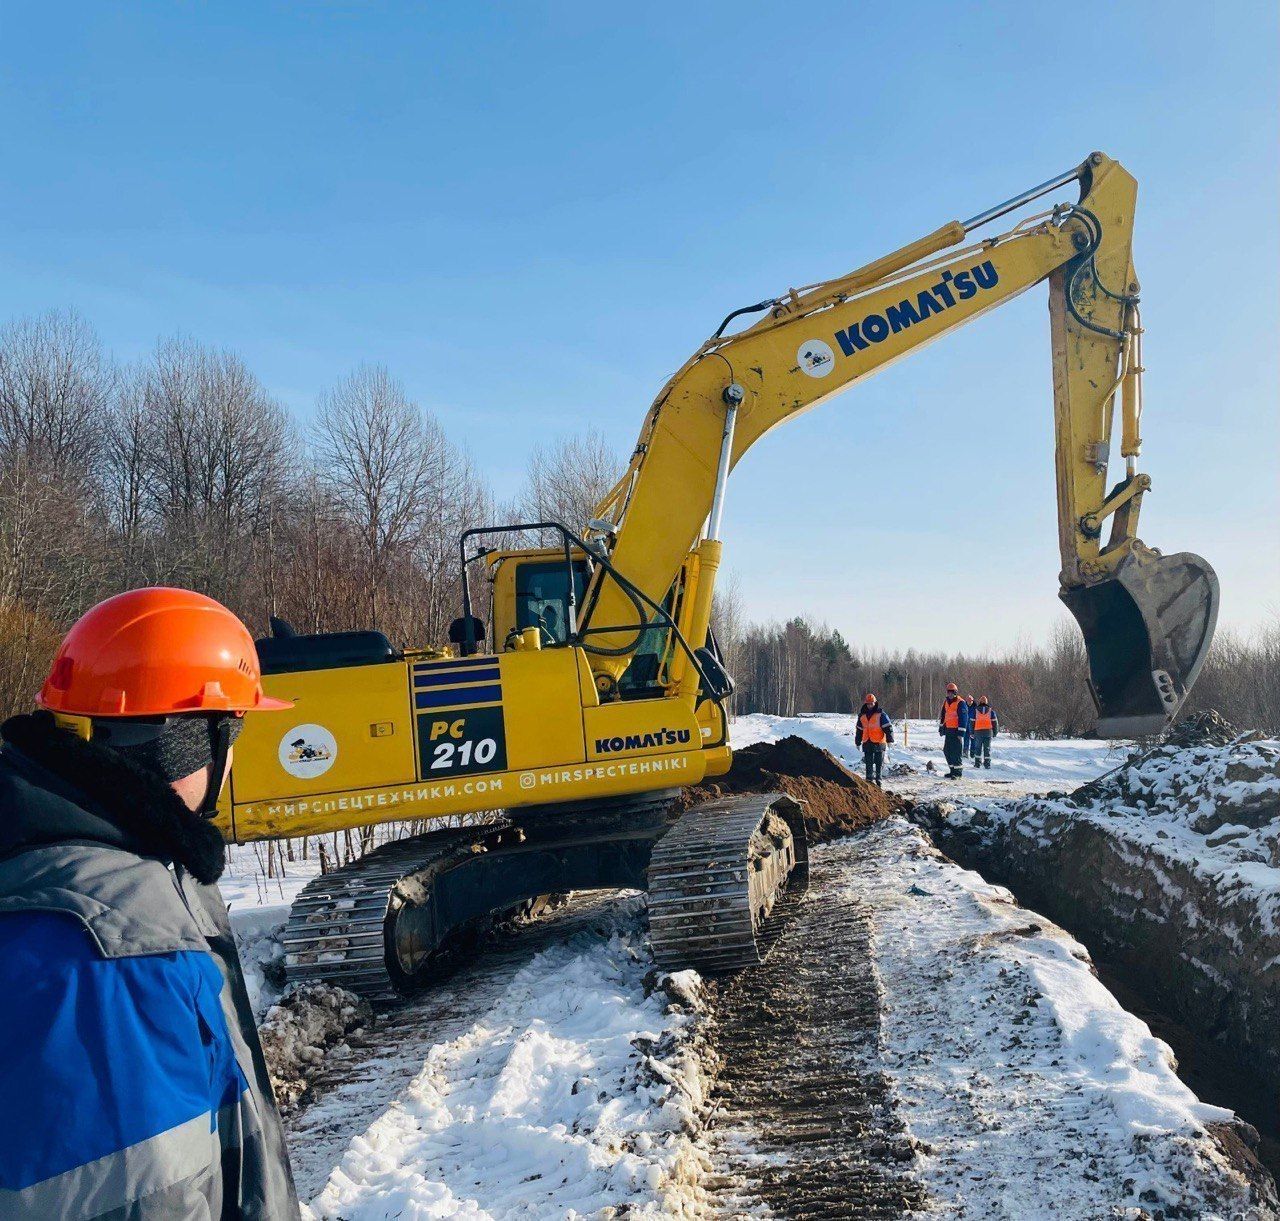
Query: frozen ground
{"x": 1169, "y": 865}
{"x": 245, "y": 884}
{"x": 549, "y": 1079}
{"x": 1018, "y": 765}
{"x": 1214, "y": 808}
{"x": 1033, "y": 1094}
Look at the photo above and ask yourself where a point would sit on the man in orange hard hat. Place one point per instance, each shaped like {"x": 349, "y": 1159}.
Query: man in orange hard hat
{"x": 953, "y": 722}
{"x": 874, "y": 730}
{"x": 132, "y": 1083}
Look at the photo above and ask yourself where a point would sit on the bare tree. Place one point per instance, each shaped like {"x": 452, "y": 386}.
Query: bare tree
{"x": 125, "y": 445}
{"x": 567, "y": 479}
{"x": 55, "y": 384}
{"x": 305, "y": 555}
{"x": 728, "y": 620}
{"x": 380, "y": 455}
{"x": 454, "y": 503}
{"x": 213, "y": 448}
{"x": 54, "y": 387}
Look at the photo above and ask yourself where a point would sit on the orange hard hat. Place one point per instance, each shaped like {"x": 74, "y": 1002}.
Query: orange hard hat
{"x": 952, "y": 687}
{"x": 869, "y": 698}
{"x": 156, "y": 652}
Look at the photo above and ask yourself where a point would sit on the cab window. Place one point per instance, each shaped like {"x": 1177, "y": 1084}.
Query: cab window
{"x": 542, "y": 596}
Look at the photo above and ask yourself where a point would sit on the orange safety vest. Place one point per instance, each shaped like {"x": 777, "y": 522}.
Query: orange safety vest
{"x": 982, "y": 720}
{"x": 872, "y": 730}
{"x": 951, "y": 713}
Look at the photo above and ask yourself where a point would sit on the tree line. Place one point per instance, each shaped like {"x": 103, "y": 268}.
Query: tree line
{"x": 801, "y": 666}
{"x": 182, "y": 469}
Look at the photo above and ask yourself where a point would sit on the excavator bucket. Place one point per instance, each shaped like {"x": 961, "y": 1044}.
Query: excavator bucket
{"x": 1147, "y": 631}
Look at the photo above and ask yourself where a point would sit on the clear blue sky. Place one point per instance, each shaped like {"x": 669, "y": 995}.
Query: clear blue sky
{"x": 533, "y": 212}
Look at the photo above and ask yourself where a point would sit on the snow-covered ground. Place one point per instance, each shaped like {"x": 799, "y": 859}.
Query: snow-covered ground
{"x": 258, "y": 907}
{"x": 1032, "y": 1092}
{"x": 245, "y": 884}
{"x": 1018, "y": 765}
{"x": 1212, "y": 807}
{"x": 547, "y": 1082}
{"x": 1170, "y": 865}
{"x": 550, "y": 1079}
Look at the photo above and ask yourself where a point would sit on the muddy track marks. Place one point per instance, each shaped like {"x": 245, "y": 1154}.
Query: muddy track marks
{"x": 805, "y": 1126}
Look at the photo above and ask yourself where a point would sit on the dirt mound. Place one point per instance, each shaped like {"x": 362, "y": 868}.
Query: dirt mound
{"x": 1206, "y": 728}
{"x": 310, "y": 1025}
{"x": 836, "y": 802}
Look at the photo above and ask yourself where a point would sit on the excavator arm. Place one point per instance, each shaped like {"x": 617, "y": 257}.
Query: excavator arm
{"x": 1147, "y": 619}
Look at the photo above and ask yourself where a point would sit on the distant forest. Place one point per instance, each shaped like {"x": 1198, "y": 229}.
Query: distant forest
{"x": 182, "y": 469}
{"x": 801, "y": 666}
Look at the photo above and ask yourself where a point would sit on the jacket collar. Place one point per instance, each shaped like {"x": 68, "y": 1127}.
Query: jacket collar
{"x": 120, "y": 802}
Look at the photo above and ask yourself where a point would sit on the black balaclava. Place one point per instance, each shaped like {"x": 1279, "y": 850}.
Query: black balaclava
{"x": 174, "y": 747}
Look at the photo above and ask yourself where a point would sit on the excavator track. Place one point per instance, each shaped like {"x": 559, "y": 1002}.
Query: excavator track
{"x": 722, "y": 881}
{"x": 342, "y": 926}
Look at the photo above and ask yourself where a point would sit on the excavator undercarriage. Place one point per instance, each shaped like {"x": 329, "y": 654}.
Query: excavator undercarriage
{"x": 397, "y": 919}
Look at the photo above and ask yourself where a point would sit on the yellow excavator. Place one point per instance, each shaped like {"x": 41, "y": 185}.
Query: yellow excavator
{"x": 596, "y": 690}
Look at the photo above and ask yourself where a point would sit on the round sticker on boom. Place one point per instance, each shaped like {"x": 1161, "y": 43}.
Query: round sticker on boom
{"x": 308, "y": 751}
{"x": 816, "y": 358}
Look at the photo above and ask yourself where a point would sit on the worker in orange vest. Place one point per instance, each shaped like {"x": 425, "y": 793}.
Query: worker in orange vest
{"x": 953, "y": 721}
{"x": 985, "y": 727}
{"x": 873, "y": 732}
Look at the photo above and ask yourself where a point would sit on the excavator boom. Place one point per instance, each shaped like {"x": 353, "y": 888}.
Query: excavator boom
{"x": 1147, "y": 621}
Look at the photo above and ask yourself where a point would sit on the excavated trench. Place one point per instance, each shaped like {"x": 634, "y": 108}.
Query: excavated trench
{"x": 1200, "y": 1008}
{"x": 1183, "y": 943}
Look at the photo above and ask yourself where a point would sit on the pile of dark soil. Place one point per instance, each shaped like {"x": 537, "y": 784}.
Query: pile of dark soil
{"x": 313, "y": 1024}
{"x": 1206, "y": 728}
{"x": 836, "y": 802}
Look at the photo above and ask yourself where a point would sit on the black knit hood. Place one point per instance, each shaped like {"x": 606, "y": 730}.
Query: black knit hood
{"x": 56, "y": 787}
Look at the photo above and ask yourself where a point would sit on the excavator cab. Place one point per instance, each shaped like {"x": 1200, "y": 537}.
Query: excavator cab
{"x": 1147, "y": 631}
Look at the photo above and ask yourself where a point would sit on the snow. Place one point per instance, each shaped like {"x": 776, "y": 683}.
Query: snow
{"x": 1031, "y": 1092}
{"x": 1018, "y": 765}
{"x": 552, "y": 1078}
{"x": 244, "y": 883}
{"x": 258, "y": 908}
{"x": 573, "y": 1090}
{"x": 257, "y": 932}
{"x": 1210, "y": 809}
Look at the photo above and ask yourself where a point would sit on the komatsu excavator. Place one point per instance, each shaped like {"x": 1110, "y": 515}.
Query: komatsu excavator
{"x": 596, "y": 690}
